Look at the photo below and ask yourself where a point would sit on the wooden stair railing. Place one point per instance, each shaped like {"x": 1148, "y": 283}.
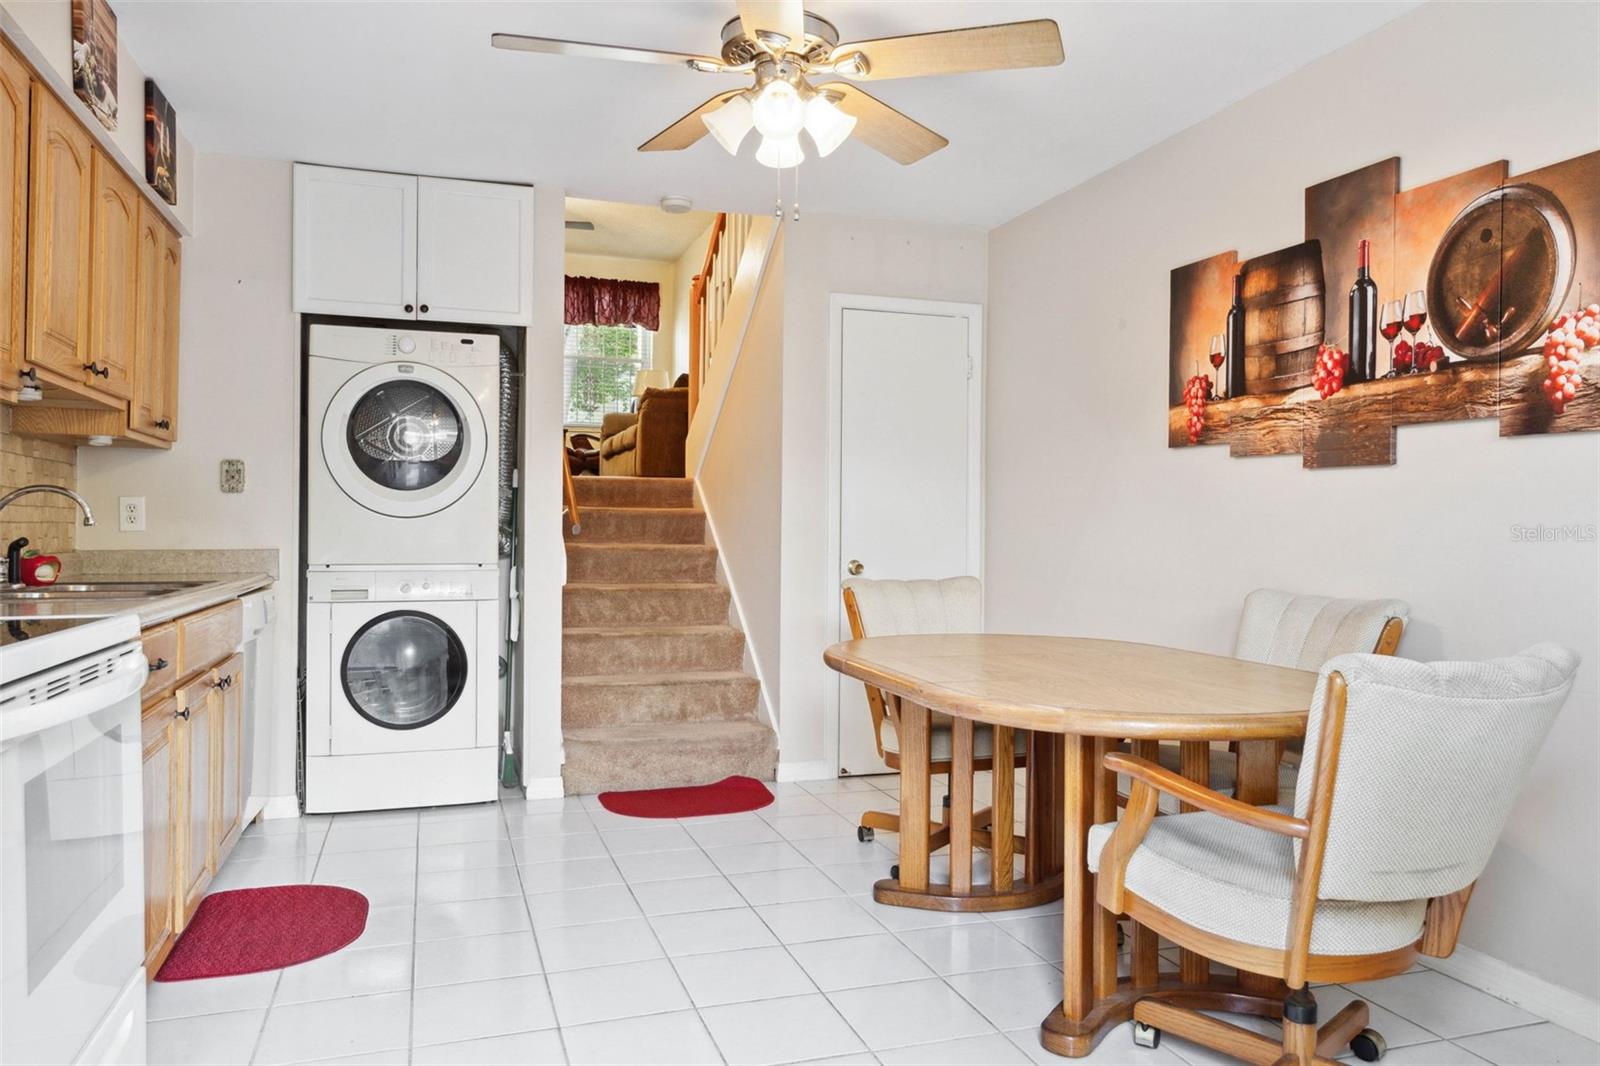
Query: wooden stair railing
{"x": 708, "y": 296}
{"x": 571, "y": 508}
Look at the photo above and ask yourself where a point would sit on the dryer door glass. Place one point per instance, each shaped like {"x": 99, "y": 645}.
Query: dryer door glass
{"x": 404, "y": 435}
{"x": 404, "y": 669}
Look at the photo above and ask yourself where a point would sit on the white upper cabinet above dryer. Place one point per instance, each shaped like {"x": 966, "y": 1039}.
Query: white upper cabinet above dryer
{"x": 474, "y": 252}
{"x": 398, "y": 246}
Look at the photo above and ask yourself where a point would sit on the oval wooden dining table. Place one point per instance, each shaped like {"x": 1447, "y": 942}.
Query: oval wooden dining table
{"x": 1082, "y": 698}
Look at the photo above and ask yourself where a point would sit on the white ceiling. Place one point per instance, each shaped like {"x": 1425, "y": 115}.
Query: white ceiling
{"x": 636, "y": 231}
{"x": 415, "y": 87}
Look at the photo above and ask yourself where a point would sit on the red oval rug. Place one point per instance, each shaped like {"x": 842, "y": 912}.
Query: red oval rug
{"x": 731, "y": 795}
{"x": 253, "y": 929}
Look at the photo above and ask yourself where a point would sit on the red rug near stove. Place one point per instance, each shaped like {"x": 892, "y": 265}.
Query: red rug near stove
{"x": 731, "y": 795}
{"x": 253, "y": 929}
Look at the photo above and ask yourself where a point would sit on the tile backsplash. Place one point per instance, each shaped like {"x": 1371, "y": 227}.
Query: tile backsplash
{"x": 48, "y": 521}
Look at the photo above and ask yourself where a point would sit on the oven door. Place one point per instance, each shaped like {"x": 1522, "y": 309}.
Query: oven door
{"x": 71, "y": 853}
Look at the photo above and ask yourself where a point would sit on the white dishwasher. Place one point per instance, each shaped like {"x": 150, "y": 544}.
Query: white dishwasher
{"x": 72, "y": 981}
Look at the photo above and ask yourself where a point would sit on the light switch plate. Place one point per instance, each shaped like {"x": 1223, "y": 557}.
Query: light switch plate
{"x": 130, "y": 514}
{"x": 233, "y": 475}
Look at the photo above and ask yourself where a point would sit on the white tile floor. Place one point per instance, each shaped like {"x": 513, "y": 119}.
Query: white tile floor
{"x": 553, "y": 931}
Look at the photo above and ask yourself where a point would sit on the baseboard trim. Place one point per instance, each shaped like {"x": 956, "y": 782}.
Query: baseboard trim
{"x": 273, "y": 807}
{"x": 1532, "y": 993}
{"x": 544, "y": 788}
{"x": 806, "y": 771}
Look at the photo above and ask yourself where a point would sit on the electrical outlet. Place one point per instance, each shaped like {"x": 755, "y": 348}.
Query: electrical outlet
{"x": 233, "y": 475}
{"x": 130, "y": 514}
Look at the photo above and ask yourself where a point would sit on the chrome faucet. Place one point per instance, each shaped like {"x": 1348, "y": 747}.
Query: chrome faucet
{"x": 6, "y": 576}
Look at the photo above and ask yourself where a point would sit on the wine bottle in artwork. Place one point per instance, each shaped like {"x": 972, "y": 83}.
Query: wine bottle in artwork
{"x": 1363, "y": 321}
{"x": 1235, "y": 341}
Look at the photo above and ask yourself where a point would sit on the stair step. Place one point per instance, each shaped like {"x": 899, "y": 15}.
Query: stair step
{"x": 666, "y": 755}
{"x": 623, "y": 564}
{"x": 629, "y": 699}
{"x": 650, "y": 650}
{"x": 677, "y": 604}
{"x": 639, "y": 525}
{"x": 634, "y": 491}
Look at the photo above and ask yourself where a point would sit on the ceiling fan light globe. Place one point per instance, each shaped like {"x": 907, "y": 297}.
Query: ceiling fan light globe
{"x": 779, "y": 112}
{"x": 730, "y": 123}
{"x": 780, "y": 152}
{"x": 828, "y": 126}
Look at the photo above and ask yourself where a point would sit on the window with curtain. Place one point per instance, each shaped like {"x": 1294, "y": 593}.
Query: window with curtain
{"x": 598, "y": 370}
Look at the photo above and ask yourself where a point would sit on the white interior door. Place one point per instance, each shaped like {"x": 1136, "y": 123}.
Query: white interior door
{"x": 909, "y": 496}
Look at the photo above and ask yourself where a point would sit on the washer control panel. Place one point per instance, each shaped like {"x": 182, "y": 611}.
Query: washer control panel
{"x": 366, "y": 344}
{"x": 399, "y": 586}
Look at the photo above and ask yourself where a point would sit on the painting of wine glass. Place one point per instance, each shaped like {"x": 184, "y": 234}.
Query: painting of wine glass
{"x": 94, "y": 58}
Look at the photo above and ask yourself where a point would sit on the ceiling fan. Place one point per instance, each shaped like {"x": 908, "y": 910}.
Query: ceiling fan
{"x": 783, "y": 46}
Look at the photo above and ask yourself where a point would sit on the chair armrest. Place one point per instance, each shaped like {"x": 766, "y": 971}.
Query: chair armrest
{"x": 615, "y": 423}
{"x": 1144, "y": 772}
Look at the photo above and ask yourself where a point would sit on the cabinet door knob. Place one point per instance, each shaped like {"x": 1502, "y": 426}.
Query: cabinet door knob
{"x": 409, "y": 309}
{"x": 96, "y": 368}
{"x": 163, "y": 423}
{"x": 184, "y": 714}
{"x": 158, "y": 665}
{"x": 423, "y": 309}
{"x": 855, "y": 567}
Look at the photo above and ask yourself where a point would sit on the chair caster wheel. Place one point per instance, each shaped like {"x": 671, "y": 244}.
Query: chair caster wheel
{"x": 1368, "y": 1045}
{"x": 1147, "y": 1036}
{"x": 864, "y": 834}
{"x": 894, "y": 871}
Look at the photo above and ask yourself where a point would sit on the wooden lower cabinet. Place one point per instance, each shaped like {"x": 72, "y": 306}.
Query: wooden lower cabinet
{"x": 193, "y": 789}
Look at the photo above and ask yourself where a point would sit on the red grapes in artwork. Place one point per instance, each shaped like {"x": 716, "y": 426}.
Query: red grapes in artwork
{"x": 1194, "y": 398}
{"x": 1571, "y": 334}
{"x": 1327, "y": 377}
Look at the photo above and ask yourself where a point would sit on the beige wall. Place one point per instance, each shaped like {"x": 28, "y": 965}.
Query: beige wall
{"x": 739, "y": 482}
{"x": 1095, "y": 526}
{"x": 662, "y": 272}
{"x": 826, "y": 254}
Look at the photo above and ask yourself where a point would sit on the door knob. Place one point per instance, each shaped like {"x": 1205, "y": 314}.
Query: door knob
{"x": 855, "y": 567}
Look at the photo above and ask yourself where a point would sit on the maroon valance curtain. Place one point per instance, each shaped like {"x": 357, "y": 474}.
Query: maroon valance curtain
{"x": 613, "y": 302}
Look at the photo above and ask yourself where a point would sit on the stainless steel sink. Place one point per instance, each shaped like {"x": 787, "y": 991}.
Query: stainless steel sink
{"x": 97, "y": 590}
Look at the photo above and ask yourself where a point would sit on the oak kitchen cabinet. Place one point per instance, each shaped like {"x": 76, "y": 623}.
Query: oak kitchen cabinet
{"x": 193, "y": 770}
{"x": 399, "y": 246}
{"x": 89, "y": 296}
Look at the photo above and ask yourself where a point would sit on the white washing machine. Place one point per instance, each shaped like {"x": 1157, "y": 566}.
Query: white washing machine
{"x": 402, "y": 688}
{"x": 403, "y": 430}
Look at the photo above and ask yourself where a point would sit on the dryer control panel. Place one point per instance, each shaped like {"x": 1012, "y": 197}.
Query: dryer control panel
{"x": 399, "y": 586}
{"x": 367, "y": 344}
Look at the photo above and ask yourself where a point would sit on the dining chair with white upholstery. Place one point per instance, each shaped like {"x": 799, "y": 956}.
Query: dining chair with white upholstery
{"x": 1300, "y": 631}
{"x": 896, "y": 608}
{"x": 1410, "y": 773}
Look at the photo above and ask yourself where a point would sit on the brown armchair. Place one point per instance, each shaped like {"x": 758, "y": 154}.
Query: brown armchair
{"x": 650, "y": 443}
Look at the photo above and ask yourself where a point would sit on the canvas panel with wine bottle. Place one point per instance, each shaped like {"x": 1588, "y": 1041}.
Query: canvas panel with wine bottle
{"x": 1469, "y": 297}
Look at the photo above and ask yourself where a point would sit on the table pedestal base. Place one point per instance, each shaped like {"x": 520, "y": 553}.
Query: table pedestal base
{"x": 977, "y": 898}
{"x": 1075, "y": 1039}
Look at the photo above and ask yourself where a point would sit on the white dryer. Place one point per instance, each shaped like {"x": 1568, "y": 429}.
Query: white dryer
{"x": 403, "y": 429}
{"x": 402, "y": 688}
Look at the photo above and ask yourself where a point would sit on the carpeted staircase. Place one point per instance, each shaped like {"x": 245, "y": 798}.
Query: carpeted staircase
{"x": 653, "y": 688}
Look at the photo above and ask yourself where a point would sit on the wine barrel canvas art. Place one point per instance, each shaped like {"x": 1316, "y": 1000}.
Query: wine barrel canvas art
{"x": 1474, "y": 296}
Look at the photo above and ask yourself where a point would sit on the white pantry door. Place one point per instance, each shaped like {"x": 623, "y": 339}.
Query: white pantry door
{"x": 908, "y": 477}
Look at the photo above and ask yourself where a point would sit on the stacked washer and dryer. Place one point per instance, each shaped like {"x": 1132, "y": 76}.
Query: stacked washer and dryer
{"x": 403, "y": 621}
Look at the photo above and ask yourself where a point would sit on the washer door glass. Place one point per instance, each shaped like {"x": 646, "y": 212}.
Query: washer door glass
{"x": 404, "y": 669}
{"x": 404, "y": 435}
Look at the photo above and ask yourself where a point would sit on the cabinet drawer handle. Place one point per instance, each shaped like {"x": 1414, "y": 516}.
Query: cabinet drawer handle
{"x": 158, "y": 666}
{"x": 96, "y": 368}
{"x": 184, "y": 714}
{"x": 225, "y": 682}
{"x": 163, "y": 423}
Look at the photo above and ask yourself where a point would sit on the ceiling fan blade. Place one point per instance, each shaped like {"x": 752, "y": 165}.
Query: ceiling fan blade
{"x": 688, "y": 129}
{"x": 584, "y": 50}
{"x": 787, "y": 17}
{"x": 879, "y": 126}
{"x": 1005, "y": 47}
